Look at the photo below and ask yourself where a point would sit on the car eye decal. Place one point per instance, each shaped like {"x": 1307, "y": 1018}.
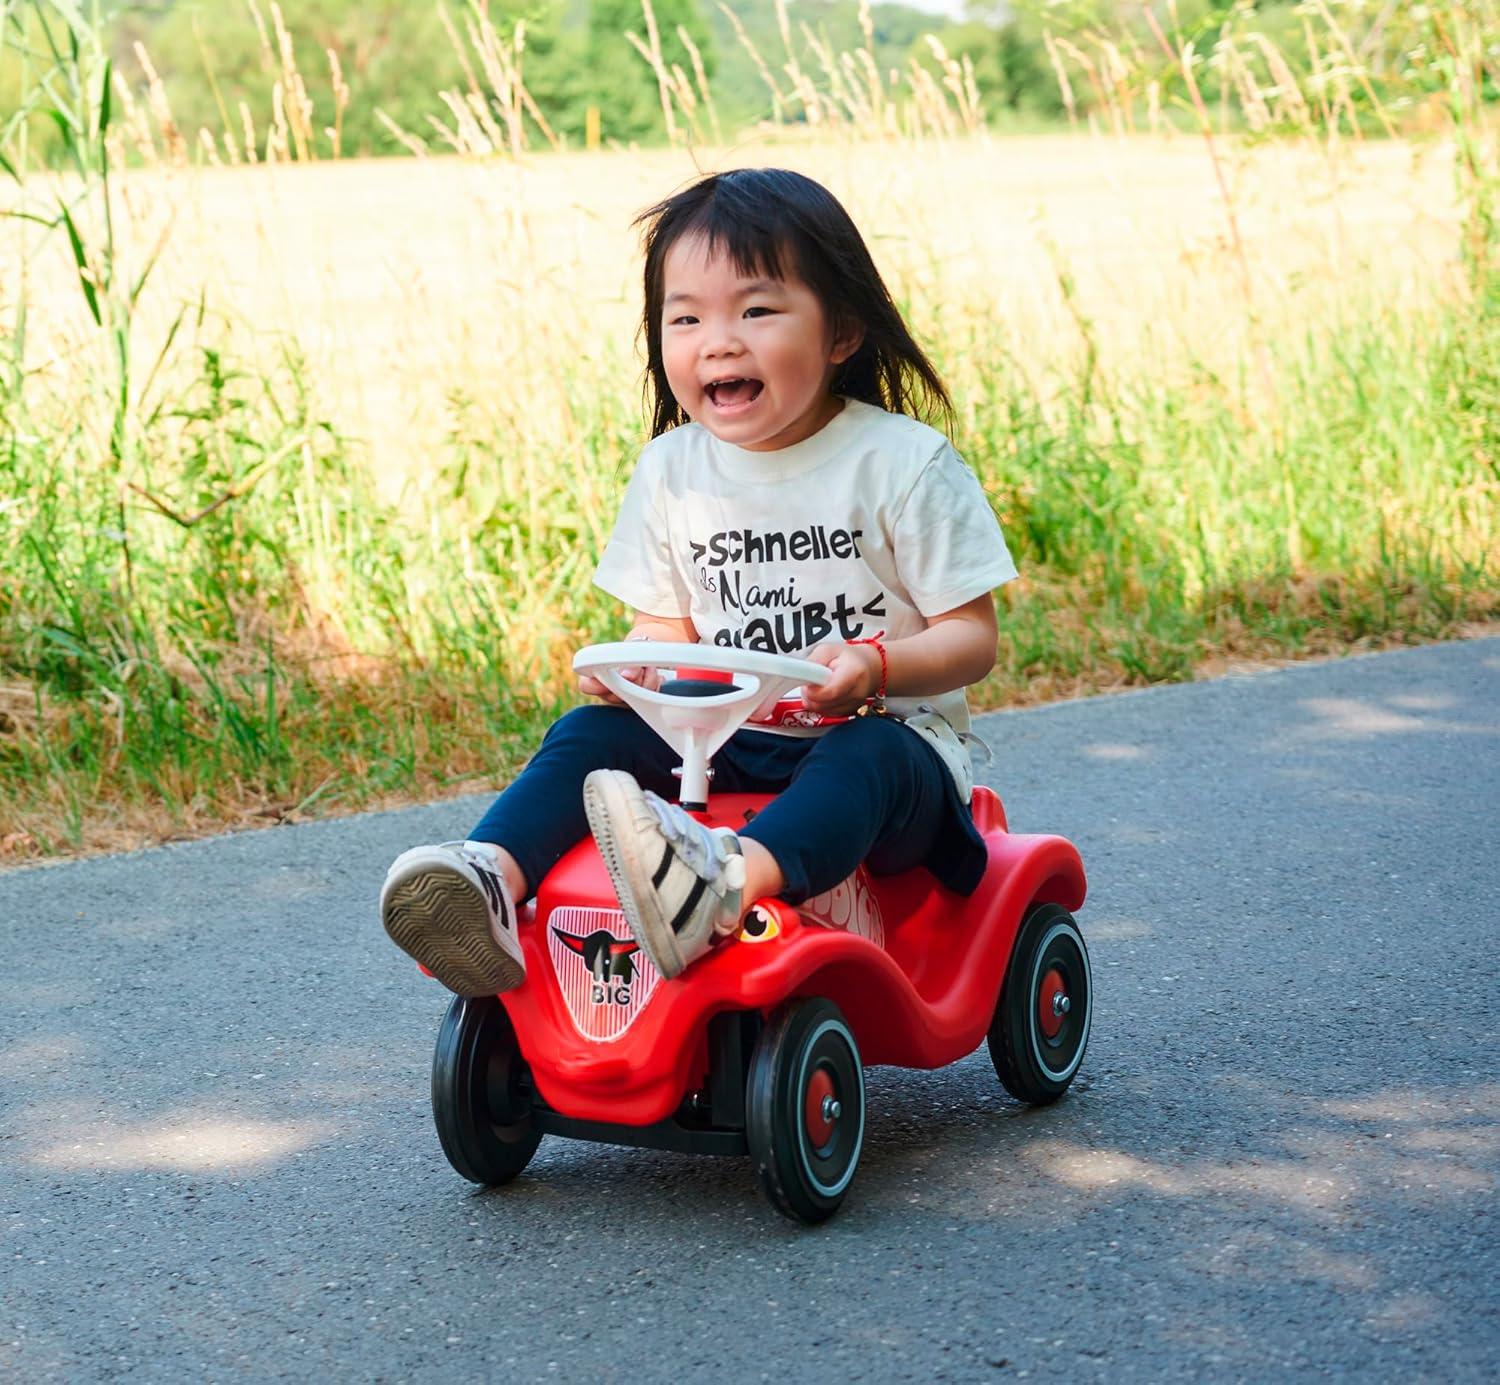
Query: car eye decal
{"x": 759, "y": 925}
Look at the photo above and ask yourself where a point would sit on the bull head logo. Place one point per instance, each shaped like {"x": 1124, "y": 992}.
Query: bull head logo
{"x": 606, "y": 956}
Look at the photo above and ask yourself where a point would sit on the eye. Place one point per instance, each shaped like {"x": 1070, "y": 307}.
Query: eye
{"x": 682, "y": 320}
{"x": 758, "y": 311}
{"x": 759, "y": 925}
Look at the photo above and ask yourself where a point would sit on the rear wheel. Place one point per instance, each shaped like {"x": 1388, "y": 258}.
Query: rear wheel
{"x": 482, "y": 1112}
{"x": 1041, "y": 1023}
{"x": 805, "y": 1109}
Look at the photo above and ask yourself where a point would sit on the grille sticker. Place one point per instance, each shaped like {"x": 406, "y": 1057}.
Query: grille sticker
{"x": 604, "y": 976}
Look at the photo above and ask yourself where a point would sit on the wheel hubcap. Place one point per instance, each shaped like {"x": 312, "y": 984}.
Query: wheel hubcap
{"x": 821, "y": 1108}
{"x": 1053, "y": 1003}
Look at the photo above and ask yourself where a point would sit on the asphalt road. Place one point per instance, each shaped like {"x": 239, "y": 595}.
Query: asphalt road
{"x": 1279, "y": 1161}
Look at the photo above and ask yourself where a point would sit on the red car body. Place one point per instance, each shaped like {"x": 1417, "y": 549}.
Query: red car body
{"x": 915, "y": 968}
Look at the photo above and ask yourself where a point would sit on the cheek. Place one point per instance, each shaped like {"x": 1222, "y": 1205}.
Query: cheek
{"x": 797, "y": 357}
{"x": 678, "y": 365}
{"x": 798, "y": 370}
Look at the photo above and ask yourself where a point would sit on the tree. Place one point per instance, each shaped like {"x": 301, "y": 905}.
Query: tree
{"x": 393, "y": 55}
{"x": 620, "y": 82}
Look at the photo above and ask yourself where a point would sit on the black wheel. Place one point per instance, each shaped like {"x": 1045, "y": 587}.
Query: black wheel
{"x": 805, "y": 1109}
{"x": 1041, "y": 1024}
{"x": 483, "y": 1116}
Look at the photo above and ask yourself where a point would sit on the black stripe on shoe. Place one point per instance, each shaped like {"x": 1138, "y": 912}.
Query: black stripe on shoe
{"x": 494, "y": 887}
{"x": 667, "y": 856}
{"x": 492, "y": 890}
{"x": 686, "y": 912}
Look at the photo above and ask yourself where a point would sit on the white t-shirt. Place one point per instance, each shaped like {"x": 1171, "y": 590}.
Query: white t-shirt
{"x": 871, "y": 525}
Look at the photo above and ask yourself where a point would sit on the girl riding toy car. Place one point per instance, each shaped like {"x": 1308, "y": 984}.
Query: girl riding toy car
{"x": 760, "y": 1047}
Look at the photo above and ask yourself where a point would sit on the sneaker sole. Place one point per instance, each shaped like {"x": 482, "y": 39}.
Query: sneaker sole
{"x": 600, "y": 795}
{"x": 439, "y": 918}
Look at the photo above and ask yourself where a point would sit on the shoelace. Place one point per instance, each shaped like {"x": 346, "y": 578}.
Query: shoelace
{"x": 701, "y": 849}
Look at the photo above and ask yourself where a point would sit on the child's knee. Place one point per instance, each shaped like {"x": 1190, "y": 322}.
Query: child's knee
{"x": 605, "y": 737}
{"x": 593, "y": 722}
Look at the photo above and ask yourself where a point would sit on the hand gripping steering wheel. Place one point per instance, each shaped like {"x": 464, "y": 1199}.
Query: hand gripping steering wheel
{"x": 696, "y": 716}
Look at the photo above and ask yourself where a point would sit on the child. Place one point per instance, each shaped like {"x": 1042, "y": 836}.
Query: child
{"x": 785, "y": 503}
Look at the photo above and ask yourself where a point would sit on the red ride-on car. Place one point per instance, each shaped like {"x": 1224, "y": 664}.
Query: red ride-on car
{"x": 760, "y": 1048}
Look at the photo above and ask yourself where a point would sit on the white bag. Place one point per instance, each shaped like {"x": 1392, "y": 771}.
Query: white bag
{"x": 938, "y": 732}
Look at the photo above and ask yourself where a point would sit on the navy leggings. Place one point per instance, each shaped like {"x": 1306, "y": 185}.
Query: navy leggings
{"x": 868, "y": 790}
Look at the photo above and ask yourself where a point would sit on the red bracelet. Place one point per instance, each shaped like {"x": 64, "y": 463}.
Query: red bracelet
{"x": 879, "y": 699}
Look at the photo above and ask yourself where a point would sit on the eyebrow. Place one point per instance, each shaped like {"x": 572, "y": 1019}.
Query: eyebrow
{"x": 757, "y": 286}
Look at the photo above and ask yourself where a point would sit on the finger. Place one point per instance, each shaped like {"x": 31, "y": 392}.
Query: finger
{"x": 592, "y": 687}
{"x": 644, "y": 677}
{"x": 836, "y": 689}
{"x": 845, "y": 690}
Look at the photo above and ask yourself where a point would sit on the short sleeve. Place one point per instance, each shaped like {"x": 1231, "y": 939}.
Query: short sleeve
{"x": 636, "y": 565}
{"x": 947, "y": 542}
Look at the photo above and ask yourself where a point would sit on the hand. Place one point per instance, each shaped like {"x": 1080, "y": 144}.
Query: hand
{"x": 645, "y": 677}
{"x": 856, "y": 677}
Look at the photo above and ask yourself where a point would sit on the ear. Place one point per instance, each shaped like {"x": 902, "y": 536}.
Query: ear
{"x": 846, "y": 341}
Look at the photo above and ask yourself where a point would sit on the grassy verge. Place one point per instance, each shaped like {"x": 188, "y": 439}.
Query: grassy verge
{"x": 295, "y": 648}
{"x": 212, "y": 615}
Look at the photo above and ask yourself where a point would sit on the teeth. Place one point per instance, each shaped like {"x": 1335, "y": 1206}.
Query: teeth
{"x": 713, "y": 386}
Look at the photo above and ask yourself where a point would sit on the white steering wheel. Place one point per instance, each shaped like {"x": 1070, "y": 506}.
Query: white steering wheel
{"x": 686, "y": 713}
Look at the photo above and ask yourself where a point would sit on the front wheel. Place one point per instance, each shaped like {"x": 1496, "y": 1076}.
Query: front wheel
{"x": 1041, "y": 1023}
{"x": 483, "y": 1115}
{"x": 805, "y": 1109}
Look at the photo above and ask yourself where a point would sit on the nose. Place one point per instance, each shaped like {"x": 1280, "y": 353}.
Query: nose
{"x": 722, "y": 338}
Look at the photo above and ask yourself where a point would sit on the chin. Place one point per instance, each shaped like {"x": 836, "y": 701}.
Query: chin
{"x": 727, "y": 430}
{"x": 749, "y": 441}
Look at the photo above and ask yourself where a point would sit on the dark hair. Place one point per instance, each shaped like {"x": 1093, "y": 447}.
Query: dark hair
{"x": 771, "y": 220}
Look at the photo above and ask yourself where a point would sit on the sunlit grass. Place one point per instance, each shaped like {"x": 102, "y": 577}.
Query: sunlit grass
{"x": 335, "y": 548}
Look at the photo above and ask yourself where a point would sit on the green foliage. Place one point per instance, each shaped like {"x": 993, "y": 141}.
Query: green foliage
{"x": 1153, "y": 526}
{"x": 396, "y": 56}
{"x": 204, "y": 604}
{"x": 619, "y": 81}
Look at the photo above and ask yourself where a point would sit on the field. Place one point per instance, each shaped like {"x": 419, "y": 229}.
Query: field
{"x": 335, "y": 550}
{"x": 406, "y": 282}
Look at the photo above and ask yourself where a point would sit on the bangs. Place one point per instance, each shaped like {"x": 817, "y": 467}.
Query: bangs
{"x": 745, "y": 234}
{"x": 763, "y": 220}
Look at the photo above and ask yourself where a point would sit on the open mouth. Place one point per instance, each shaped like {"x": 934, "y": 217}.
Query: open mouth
{"x": 733, "y": 394}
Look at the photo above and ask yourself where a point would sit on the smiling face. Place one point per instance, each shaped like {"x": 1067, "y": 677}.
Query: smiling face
{"x": 748, "y": 356}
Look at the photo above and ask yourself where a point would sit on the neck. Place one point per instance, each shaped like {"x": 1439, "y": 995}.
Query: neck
{"x": 823, "y": 411}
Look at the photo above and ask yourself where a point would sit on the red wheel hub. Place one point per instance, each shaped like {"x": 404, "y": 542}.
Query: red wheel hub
{"x": 1051, "y": 1003}
{"x": 818, "y": 1108}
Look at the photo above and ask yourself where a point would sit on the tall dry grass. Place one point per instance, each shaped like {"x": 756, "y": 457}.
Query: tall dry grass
{"x": 308, "y": 460}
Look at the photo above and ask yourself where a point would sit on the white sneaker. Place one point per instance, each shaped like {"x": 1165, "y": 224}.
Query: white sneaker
{"x": 448, "y": 907}
{"x": 679, "y": 882}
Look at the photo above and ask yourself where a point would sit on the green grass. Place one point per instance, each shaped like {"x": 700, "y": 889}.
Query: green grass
{"x": 298, "y": 648}
{"x": 209, "y": 617}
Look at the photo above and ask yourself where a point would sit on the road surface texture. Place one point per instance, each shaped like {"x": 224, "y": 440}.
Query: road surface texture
{"x": 1279, "y": 1160}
